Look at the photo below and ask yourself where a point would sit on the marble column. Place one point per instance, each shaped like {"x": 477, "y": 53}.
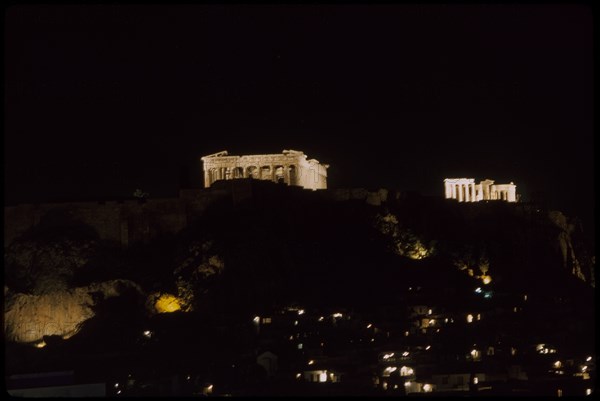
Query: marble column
{"x": 459, "y": 187}
{"x": 467, "y": 194}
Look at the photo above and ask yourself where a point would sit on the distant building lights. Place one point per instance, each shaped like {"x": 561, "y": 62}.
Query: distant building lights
{"x": 428, "y": 348}
{"x": 588, "y": 391}
{"x": 323, "y": 377}
{"x": 301, "y": 312}
{"x": 427, "y": 388}
{"x": 469, "y": 318}
{"x": 405, "y": 353}
{"x": 369, "y": 326}
{"x": 475, "y": 380}
{"x": 256, "y": 319}
{"x": 388, "y": 356}
{"x": 429, "y": 312}
{"x": 311, "y": 362}
{"x": 478, "y": 290}
{"x": 298, "y": 375}
{"x": 589, "y": 358}
{"x": 337, "y": 315}
{"x": 321, "y": 319}
{"x": 557, "y": 364}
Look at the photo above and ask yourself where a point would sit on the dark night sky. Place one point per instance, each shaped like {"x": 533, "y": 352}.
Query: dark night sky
{"x": 100, "y": 100}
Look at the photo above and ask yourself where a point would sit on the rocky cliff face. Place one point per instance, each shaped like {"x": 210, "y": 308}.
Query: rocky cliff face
{"x": 565, "y": 244}
{"x": 29, "y": 317}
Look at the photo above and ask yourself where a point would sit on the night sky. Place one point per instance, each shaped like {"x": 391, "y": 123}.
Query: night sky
{"x": 101, "y": 100}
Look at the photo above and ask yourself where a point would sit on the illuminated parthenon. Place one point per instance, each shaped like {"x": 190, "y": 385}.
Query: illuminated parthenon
{"x": 290, "y": 167}
{"x": 465, "y": 190}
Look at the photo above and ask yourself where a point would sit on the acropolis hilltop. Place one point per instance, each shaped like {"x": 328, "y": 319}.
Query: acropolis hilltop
{"x": 290, "y": 167}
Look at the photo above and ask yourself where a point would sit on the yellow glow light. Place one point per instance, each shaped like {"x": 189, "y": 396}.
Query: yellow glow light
{"x": 167, "y": 303}
{"x": 41, "y": 344}
{"x": 486, "y": 279}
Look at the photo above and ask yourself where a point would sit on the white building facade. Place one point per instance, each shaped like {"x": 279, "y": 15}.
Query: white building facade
{"x": 291, "y": 167}
{"x": 466, "y": 190}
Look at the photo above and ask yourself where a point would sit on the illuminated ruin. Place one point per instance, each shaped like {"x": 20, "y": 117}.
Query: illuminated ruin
{"x": 291, "y": 167}
{"x": 465, "y": 190}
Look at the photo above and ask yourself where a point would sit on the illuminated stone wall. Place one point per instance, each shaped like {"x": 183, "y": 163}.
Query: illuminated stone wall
{"x": 290, "y": 167}
{"x": 465, "y": 190}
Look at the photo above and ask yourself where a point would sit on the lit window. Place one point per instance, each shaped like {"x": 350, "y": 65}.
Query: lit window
{"x": 300, "y": 345}
{"x": 588, "y": 391}
{"x": 469, "y": 318}
{"x": 390, "y": 369}
{"x": 475, "y": 380}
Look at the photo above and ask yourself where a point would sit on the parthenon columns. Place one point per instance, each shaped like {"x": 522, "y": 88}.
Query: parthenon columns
{"x": 465, "y": 190}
